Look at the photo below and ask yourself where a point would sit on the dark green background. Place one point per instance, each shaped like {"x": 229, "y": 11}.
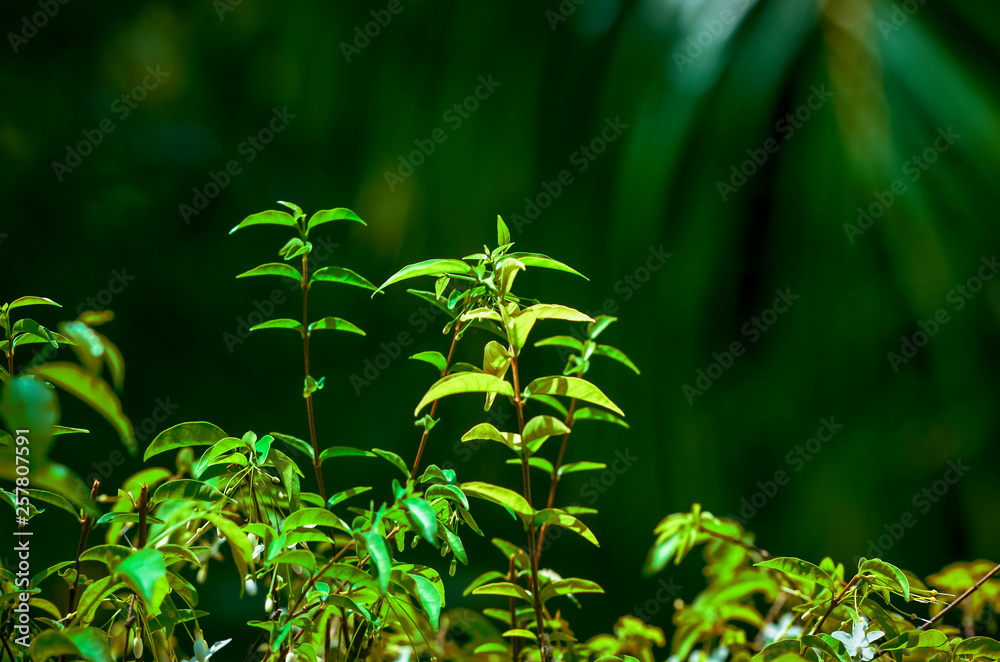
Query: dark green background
{"x": 893, "y": 86}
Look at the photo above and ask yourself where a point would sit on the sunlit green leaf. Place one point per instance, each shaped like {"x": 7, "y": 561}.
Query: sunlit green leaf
{"x": 269, "y": 217}
{"x": 273, "y": 269}
{"x": 428, "y": 268}
{"x": 334, "y": 324}
{"x": 573, "y": 387}
{"x": 328, "y": 215}
{"x": 197, "y": 433}
{"x": 465, "y": 382}
{"x": 340, "y": 275}
{"x": 499, "y": 495}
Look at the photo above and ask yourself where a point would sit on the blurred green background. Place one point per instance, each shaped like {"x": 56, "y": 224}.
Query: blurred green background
{"x": 841, "y": 152}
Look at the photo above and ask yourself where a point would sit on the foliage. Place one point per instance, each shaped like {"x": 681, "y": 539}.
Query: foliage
{"x": 336, "y": 576}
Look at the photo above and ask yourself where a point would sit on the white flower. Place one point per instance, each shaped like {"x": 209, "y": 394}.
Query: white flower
{"x": 251, "y": 587}
{"x": 783, "y": 629}
{"x": 202, "y": 653}
{"x": 857, "y": 643}
{"x": 258, "y": 550}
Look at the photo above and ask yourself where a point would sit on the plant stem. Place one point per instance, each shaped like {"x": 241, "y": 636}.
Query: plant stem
{"x": 423, "y": 438}
{"x": 143, "y": 510}
{"x": 544, "y": 648}
{"x": 85, "y": 526}
{"x": 515, "y": 642}
{"x": 555, "y": 478}
{"x": 954, "y": 603}
{"x": 305, "y": 351}
{"x": 833, "y": 605}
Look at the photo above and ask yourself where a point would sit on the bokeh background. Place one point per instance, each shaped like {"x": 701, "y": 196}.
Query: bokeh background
{"x": 843, "y": 152}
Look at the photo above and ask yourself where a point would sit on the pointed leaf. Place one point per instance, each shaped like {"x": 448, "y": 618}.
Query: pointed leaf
{"x": 340, "y": 275}
{"x": 92, "y": 390}
{"x": 499, "y": 495}
{"x": 197, "y": 433}
{"x": 572, "y": 387}
{"x": 617, "y": 355}
{"x": 335, "y": 324}
{"x": 328, "y": 215}
{"x": 436, "y": 359}
{"x": 428, "y": 268}
{"x": 269, "y": 217}
{"x": 279, "y": 324}
{"x": 273, "y": 269}
{"x": 425, "y": 517}
{"x": 546, "y": 262}
{"x": 801, "y": 569}
{"x": 380, "y": 556}
{"x": 465, "y": 382}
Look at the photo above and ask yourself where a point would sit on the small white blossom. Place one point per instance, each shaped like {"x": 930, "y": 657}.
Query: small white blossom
{"x": 858, "y": 643}
{"x": 783, "y": 629}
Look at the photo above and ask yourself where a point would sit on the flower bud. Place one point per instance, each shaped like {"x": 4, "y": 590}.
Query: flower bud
{"x": 137, "y": 647}
{"x": 202, "y": 574}
{"x": 269, "y": 605}
{"x": 251, "y": 586}
{"x": 200, "y": 649}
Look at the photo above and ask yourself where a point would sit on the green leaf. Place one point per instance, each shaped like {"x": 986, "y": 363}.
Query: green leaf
{"x": 197, "y": 433}
{"x": 57, "y": 500}
{"x": 263, "y": 447}
{"x": 503, "y": 234}
{"x": 827, "y": 645}
{"x": 315, "y": 517}
{"x": 334, "y": 324}
{"x": 573, "y": 387}
{"x": 88, "y": 643}
{"x": 589, "y": 414}
{"x": 425, "y": 518}
{"x": 269, "y": 217}
{"x": 561, "y": 341}
{"x": 393, "y": 459}
{"x": 524, "y": 321}
{"x": 294, "y": 442}
{"x": 125, "y": 518}
{"x": 556, "y": 517}
{"x": 465, "y": 382}
{"x": 343, "y": 451}
{"x": 581, "y": 466}
{"x": 273, "y": 269}
{"x": 617, "y": 355}
{"x": 499, "y": 495}
{"x": 891, "y": 576}
{"x": 279, "y": 324}
{"x": 93, "y": 596}
{"x": 536, "y": 462}
{"x": 802, "y": 569}
{"x": 92, "y": 390}
{"x": 340, "y": 275}
{"x": 488, "y": 431}
{"x": 540, "y": 428}
{"x": 348, "y": 573}
{"x": 31, "y": 301}
{"x": 27, "y": 403}
{"x": 380, "y": 555}
{"x": 457, "y": 548}
{"x": 979, "y": 647}
{"x": 328, "y": 215}
{"x": 506, "y": 589}
{"x": 186, "y": 490}
{"x": 237, "y": 540}
{"x": 520, "y": 632}
{"x": 436, "y": 359}
{"x": 428, "y": 268}
{"x": 448, "y": 492}
{"x": 568, "y": 587}
{"x": 109, "y": 555}
{"x": 145, "y": 573}
{"x": 919, "y": 639}
{"x": 346, "y": 494}
{"x": 294, "y": 207}
{"x": 544, "y": 261}
{"x": 430, "y": 598}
